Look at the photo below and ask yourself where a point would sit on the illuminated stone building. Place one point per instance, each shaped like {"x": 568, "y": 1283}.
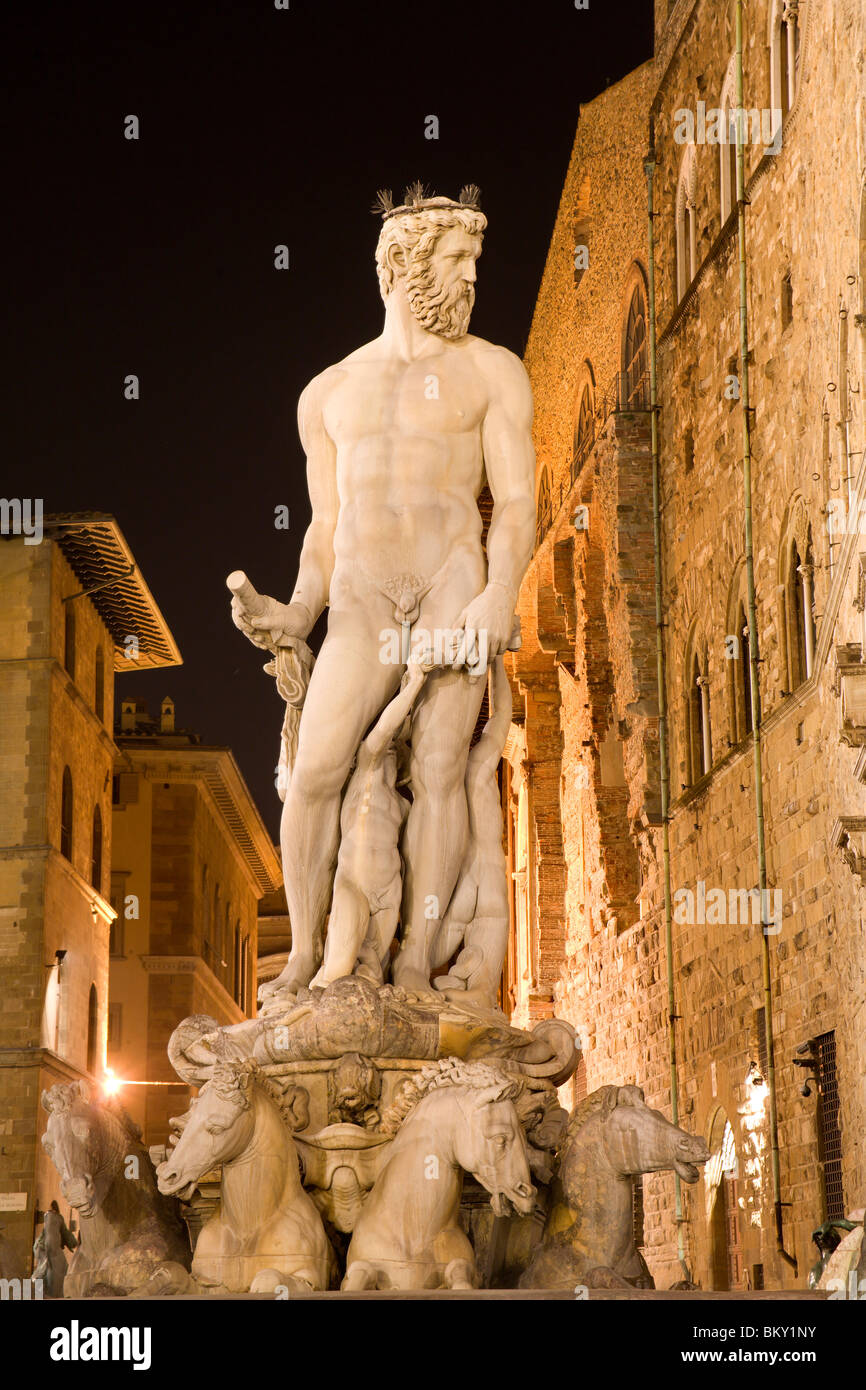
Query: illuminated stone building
{"x": 582, "y": 787}
{"x": 75, "y": 610}
{"x": 191, "y": 860}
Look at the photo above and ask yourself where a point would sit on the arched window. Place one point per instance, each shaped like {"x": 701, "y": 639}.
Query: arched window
{"x": 699, "y": 756}
{"x": 741, "y": 705}
{"x": 92, "y": 1030}
{"x": 721, "y": 1177}
{"x": 99, "y": 684}
{"x": 69, "y": 638}
{"x": 784, "y": 54}
{"x": 214, "y": 949}
{"x": 584, "y": 429}
{"x": 634, "y": 364}
{"x": 744, "y": 717}
{"x": 686, "y": 225}
{"x": 728, "y": 145}
{"x": 66, "y": 813}
{"x": 544, "y": 507}
{"x": 205, "y": 908}
{"x": 96, "y": 851}
{"x": 799, "y": 622}
{"x": 237, "y": 972}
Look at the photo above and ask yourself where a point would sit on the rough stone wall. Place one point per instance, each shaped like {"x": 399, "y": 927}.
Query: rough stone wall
{"x": 45, "y": 900}
{"x": 596, "y": 627}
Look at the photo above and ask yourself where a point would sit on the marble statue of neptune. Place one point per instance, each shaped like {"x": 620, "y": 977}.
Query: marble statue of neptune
{"x": 399, "y": 437}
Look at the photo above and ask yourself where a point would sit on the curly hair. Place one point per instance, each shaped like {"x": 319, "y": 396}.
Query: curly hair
{"x": 417, "y": 234}
{"x": 450, "y": 1071}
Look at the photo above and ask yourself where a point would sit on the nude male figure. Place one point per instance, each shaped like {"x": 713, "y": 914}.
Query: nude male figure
{"x": 398, "y": 438}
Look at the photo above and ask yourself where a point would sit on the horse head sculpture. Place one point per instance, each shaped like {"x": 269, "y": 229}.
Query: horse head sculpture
{"x": 127, "y": 1227}
{"x": 267, "y": 1231}
{"x": 612, "y": 1137}
{"x": 455, "y": 1117}
{"x": 85, "y": 1143}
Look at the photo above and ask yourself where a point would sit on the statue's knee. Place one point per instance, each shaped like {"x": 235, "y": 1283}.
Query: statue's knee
{"x": 438, "y": 774}
{"x": 313, "y": 781}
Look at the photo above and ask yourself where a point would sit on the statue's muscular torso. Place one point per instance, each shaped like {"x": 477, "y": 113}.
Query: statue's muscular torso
{"x": 409, "y": 461}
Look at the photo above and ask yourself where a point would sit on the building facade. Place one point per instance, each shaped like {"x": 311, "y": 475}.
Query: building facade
{"x": 582, "y": 789}
{"x": 75, "y": 611}
{"x": 191, "y": 860}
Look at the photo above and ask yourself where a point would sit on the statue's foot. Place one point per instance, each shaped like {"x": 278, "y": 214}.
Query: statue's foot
{"x": 273, "y": 1281}
{"x": 415, "y": 982}
{"x": 168, "y": 1278}
{"x": 479, "y": 998}
{"x": 295, "y": 977}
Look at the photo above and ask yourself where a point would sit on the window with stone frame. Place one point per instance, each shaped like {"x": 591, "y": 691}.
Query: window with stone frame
{"x": 786, "y": 17}
{"x": 740, "y": 677}
{"x": 99, "y": 684}
{"x": 67, "y": 810}
{"x": 635, "y": 395}
{"x": 686, "y": 225}
{"x": 697, "y": 715}
{"x": 96, "y": 850}
{"x": 584, "y": 429}
{"x": 92, "y": 1030}
{"x": 69, "y": 639}
{"x": 205, "y": 911}
{"x": 544, "y": 506}
{"x": 237, "y": 973}
{"x": 728, "y": 145}
{"x": 798, "y": 628}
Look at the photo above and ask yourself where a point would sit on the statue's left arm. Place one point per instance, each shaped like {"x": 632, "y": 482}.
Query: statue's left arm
{"x": 509, "y": 460}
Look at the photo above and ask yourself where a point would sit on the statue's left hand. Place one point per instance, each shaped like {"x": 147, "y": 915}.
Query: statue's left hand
{"x": 488, "y": 622}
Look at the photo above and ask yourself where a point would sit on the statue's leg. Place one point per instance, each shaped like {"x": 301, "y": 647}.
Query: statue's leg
{"x": 349, "y": 686}
{"x": 478, "y": 967}
{"x": 437, "y": 825}
{"x": 347, "y": 927}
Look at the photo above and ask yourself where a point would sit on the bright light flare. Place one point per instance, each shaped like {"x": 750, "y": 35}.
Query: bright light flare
{"x": 111, "y": 1084}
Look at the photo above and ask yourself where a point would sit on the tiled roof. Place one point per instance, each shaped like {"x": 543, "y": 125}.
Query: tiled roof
{"x": 96, "y": 550}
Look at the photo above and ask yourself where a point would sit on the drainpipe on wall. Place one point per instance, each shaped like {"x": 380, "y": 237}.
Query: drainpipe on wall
{"x": 844, "y": 413}
{"x": 753, "y": 653}
{"x": 664, "y": 776}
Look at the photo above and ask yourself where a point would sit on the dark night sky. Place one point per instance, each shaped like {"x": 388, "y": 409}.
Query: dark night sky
{"x": 258, "y": 127}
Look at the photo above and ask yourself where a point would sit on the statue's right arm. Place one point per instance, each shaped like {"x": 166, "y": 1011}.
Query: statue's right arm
{"x": 317, "y": 555}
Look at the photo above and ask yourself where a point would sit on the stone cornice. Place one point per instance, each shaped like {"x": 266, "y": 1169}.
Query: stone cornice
{"x": 40, "y": 1057}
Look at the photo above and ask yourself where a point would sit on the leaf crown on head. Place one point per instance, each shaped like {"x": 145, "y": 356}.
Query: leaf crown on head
{"x": 417, "y": 198}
